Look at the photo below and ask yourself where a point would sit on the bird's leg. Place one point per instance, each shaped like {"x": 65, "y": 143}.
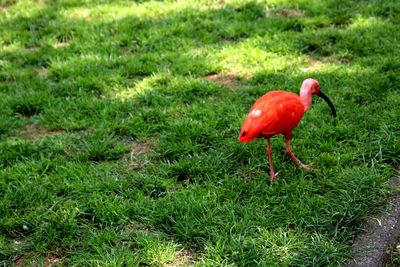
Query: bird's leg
{"x": 293, "y": 157}
{"x": 271, "y": 164}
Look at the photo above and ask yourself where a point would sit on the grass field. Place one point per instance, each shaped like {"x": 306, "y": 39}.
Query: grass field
{"x": 119, "y": 123}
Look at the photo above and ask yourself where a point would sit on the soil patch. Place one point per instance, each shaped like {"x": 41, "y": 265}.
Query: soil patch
{"x": 185, "y": 257}
{"x": 229, "y": 79}
{"x": 285, "y": 12}
{"x": 33, "y": 131}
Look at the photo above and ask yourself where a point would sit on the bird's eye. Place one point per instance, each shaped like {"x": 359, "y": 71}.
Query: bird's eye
{"x": 243, "y": 133}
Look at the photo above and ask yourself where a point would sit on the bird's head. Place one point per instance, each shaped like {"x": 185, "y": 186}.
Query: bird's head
{"x": 312, "y": 86}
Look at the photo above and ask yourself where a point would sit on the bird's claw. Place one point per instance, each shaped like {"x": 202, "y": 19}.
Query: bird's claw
{"x": 307, "y": 167}
{"x": 273, "y": 176}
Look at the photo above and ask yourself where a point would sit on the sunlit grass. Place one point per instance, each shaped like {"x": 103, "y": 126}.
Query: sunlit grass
{"x": 368, "y": 22}
{"x": 246, "y": 60}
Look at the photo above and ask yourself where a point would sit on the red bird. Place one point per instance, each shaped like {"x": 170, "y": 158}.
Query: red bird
{"x": 279, "y": 112}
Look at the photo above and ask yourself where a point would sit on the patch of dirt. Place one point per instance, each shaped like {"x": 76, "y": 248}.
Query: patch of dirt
{"x": 139, "y": 148}
{"x": 229, "y": 79}
{"x": 33, "y": 131}
{"x": 184, "y": 257}
{"x": 54, "y": 259}
{"x": 42, "y": 73}
{"x": 285, "y": 12}
{"x": 19, "y": 243}
{"x": 4, "y": 5}
{"x": 19, "y": 260}
{"x": 227, "y": 41}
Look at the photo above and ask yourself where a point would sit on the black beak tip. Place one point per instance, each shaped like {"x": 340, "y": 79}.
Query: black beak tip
{"x": 328, "y": 101}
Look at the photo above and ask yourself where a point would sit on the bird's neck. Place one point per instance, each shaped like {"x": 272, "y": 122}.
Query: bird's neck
{"x": 305, "y": 97}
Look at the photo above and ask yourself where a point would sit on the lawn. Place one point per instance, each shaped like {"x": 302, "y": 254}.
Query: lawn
{"x": 119, "y": 123}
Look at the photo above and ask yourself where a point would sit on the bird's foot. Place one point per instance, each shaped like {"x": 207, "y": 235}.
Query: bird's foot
{"x": 273, "y": 176}
{"x": 307, "y": 167}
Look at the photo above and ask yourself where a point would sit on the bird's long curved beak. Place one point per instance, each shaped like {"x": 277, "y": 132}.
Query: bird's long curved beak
{"x": 324, "y": 97}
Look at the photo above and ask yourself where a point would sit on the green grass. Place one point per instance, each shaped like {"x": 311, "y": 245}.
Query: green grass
{"x": 119, "y": 124}
{"x": 393, "y": 259}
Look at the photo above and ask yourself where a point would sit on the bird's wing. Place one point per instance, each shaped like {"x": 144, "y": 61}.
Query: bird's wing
{"x": 276, "y": 112}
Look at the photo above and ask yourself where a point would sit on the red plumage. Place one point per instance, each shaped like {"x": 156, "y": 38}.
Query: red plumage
{"x": 276, "y": 112}
{"x": 279, "y": 112}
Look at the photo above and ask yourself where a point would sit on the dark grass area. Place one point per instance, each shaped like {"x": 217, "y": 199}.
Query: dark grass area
{"x": 394, "y": 256}
{"x": 119, "y": 124}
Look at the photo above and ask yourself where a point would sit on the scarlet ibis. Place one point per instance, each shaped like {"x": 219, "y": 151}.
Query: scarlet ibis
{"x": 279, "y": 112}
